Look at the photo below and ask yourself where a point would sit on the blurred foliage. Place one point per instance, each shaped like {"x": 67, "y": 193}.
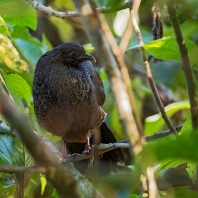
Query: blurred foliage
{"x": 26, "y": 34}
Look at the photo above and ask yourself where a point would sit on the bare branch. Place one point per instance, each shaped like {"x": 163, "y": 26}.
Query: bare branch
{"x": 152, "y": 187}
{"x": 126, "y": 38}
{"x": 147, "y": 66}
{"x": 186, "y": 65}
{"x": 67, "y": 14}
{"x": 162, "y": 134}
{"x": 124, "y": 71}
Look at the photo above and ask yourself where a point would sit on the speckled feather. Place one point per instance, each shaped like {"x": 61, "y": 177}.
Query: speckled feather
{"x": 68, "y": 93}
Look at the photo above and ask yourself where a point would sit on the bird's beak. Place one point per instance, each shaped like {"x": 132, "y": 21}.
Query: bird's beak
{"x": 86, "y": 57}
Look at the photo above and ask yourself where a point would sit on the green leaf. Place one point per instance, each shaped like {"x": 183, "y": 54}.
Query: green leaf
{"x": 169, "y": 163}
{"x": 187, "y": 126}
{"x": 6, "y": 149}
{"x": 192, "y": 171}
{"x": 13, "y": 152}
{"x": 180, "y": 192}
{"x": 43, "y": 183}
{"x": 18, "y": 88}
{"x": 7, "y": 191}
{"x": 155, "y": 123}
{"x": 182, "y": 146}
{"x": 22, "y": 32}
{"x": 193, "y": 52}
{"x": 32, "y": 51}
{"x": 89, "y": 48}
{"x": 167, "y": 49}
{"x": 3, "y": 27}
{"x": 21, "y": 156}
{"x": 18, "y": 12}
{"x": 158, "y": 48}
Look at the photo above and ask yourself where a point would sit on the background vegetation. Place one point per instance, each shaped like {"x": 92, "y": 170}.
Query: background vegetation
{"x": 166, "y": 160}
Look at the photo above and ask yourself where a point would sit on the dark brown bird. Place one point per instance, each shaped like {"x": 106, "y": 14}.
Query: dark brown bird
{"x": 68, "y": 96}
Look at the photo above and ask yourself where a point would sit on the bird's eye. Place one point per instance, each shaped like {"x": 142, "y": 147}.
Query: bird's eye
{"x": 72, "y": 53}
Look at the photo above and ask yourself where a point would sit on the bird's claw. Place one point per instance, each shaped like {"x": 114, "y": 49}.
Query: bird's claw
{"x": 85, "y": 152}
{"x": 76, "y": 155}
{"x": 62, "y": 157}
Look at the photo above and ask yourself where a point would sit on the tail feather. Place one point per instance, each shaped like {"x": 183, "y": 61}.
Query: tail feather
{"x": 116, "y": 155}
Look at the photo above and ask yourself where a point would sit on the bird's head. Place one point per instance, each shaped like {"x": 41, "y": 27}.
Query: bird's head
{"x": 74, "y": 53}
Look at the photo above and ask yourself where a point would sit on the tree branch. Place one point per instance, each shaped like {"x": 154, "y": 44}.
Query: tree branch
{"x": 186, "y": 65}
{"x": 67, "y": 14}
{"x": 36, "y": 169}
{"x": 45, "y": 155}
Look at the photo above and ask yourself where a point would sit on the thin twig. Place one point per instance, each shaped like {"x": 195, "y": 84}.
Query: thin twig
{"x": 124, "y": 70}
{"x": 125, "y": 38}
{"x": 186, "y": 65}
{"x": 5, "y": 86}
{"x": 152, "y": 187}
{"x": 162, "y": 134}
{"x": 67, "y": 14}
{"x": 148, "y": 70}
{"x": 35, "y": 169}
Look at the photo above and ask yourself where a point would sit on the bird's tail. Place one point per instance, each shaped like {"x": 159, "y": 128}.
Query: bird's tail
{"x": 116, "y": 155}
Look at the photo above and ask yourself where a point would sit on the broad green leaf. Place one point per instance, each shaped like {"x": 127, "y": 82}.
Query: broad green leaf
{"x": 18, "y": 12}
{"x": 22, "y": 32}
{"x": 89, "y": 48}
{"x": 182, "y": 146}
{"x": 32, "y": 51}
{"x": 169, "y": 163}
{"x": 187, "y": 126}
{"x": 7, "y": 191}
{"x": 192, "y": 171}
{"x": 193, "y": 52}
{"x": 167, "y": 49}
{"x": 155, "y": 123}
{"x": 3, "y": 27}
{"x": 21, "y": 156}
{"x": 13, "y": 152}
{"x": 6, "y": 149}
{"x": 18, "y": 88}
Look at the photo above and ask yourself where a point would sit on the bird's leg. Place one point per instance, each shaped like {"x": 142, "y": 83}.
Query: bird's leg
{"x": 87, "y": 147}
{"x": 64, "y": 152}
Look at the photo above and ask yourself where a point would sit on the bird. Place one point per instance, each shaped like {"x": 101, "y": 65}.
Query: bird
{"x": 68, "y": 97}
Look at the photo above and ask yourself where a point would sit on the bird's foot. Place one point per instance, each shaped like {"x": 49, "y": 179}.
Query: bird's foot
{"x": 87, "y": 147}
{"x": 86, "y": 151}
{"x": 76, "y": 154}
{"x": 63, "y": 156}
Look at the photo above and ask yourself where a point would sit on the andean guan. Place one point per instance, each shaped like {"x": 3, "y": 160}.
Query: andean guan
{"x": 68, "y": 95}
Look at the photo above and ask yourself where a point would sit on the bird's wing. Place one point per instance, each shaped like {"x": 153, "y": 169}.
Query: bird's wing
{"x": 97, "y": 82}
